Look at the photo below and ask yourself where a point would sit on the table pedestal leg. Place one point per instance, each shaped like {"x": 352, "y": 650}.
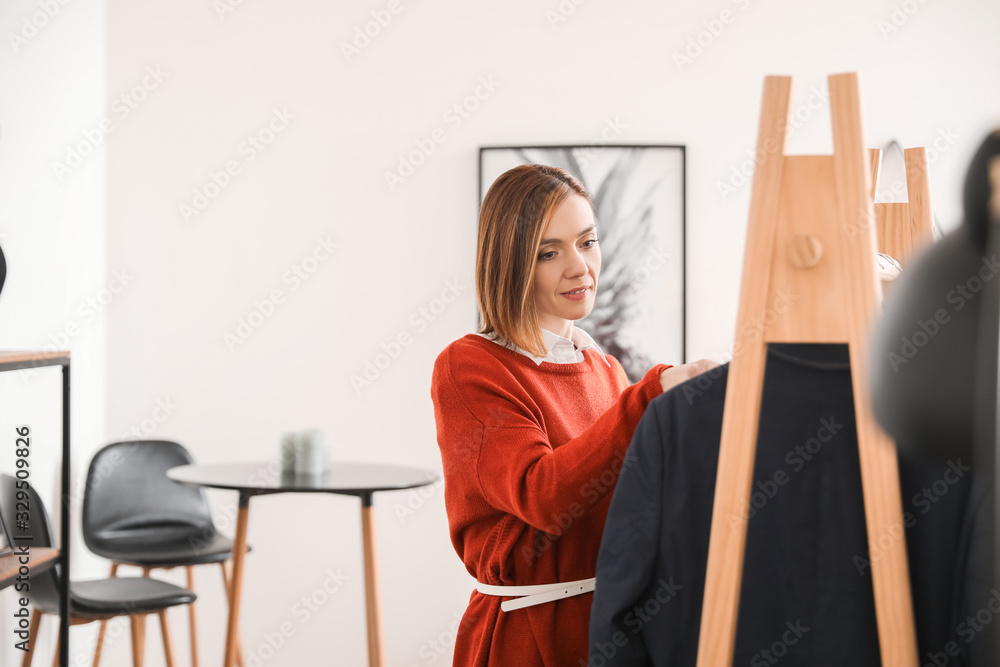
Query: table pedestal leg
{"x": 239, "y": 551}
{"x": 372, "y": 588}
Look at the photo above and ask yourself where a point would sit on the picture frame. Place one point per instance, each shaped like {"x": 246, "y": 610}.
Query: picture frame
{"x": 6, "y": 542}
{"x": 640, "y": 201}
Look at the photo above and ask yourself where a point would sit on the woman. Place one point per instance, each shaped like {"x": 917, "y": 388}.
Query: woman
{"x": 532, "y": 430}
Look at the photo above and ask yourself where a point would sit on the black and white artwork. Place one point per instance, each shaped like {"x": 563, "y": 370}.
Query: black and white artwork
{"x": 6, "y": 545}
{"x": 639, "y": 197}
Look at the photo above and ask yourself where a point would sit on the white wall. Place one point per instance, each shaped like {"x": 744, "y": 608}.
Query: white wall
{"x": 52, "y": 229}
{"x": 222, "y": 75}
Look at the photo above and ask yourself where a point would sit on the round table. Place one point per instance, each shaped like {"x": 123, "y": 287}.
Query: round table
{"x": 265, "y": 478}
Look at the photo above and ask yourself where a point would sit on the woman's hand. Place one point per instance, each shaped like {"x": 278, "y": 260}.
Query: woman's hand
{"x": 677, "y": 374}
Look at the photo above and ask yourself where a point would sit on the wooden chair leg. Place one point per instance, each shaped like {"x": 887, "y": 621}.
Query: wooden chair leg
{"x": 229, "y": 598}
{"x": 137, "y": 640}
{"x": 104, "y": 624}
{"x": 36, "y": 621}
{"x": 168, "y": 648}
{"x": 194, "y": 624}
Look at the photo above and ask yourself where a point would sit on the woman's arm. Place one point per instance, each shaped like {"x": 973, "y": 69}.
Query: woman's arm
{"x": 516, "y": 467}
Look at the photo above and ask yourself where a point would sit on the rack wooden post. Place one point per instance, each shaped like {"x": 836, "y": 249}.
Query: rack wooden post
{"x": 903, "y": 228}
{"x": 811, "y": 234}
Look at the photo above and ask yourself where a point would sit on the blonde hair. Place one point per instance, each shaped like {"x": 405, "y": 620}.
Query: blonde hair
{"x": 515, "y": 212}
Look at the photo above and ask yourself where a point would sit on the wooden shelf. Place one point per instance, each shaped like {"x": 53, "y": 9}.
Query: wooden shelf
{"x": 40, "y": 559}
{"x": 12, "y": 359}
{"x": 43, "y": 559}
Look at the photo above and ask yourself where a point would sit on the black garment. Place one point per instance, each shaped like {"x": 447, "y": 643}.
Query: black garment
{"x": 806, "y": 597}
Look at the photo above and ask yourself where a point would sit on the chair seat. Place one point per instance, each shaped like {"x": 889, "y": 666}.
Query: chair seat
{"x": 122, "y": 595}
{"x": 193, "y": 549}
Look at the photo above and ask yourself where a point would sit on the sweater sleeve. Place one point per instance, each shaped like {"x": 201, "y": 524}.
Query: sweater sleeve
{"x": 521, "y": 473}
{"x": 628, "y": 553}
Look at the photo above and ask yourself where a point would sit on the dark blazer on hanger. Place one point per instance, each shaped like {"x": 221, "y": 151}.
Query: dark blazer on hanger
{"x": 806, "y": 596}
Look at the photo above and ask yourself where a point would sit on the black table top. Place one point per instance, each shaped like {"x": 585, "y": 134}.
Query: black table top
{"x": 264, "y": 477}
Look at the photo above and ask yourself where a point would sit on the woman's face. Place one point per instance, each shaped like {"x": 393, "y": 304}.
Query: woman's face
{"x": 568, "y": 259}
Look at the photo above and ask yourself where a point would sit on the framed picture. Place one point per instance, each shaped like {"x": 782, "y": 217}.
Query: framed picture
{"x": 6, "y": 545}
{"x": 639, "y": 197}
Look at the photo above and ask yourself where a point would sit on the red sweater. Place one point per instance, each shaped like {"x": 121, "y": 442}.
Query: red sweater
{"x": 531, "y": 454}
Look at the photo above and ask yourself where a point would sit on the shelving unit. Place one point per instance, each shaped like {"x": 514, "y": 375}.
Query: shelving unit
{"x": 43, "y": 559}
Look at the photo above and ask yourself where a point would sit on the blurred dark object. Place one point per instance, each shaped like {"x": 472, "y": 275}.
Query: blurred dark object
{"x": 3, "y": 269}
{"x": 934, "y": 369}
{"x": 926, "y": 350}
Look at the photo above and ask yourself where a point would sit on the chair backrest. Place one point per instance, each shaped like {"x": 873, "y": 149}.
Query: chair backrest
{"x": 3, "y": 269}
{"x": 129, "y": 494}
{"x": 15, "y": 495}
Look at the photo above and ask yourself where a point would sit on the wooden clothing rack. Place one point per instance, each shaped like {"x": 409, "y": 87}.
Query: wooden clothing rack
{"x": 904, "y": 227}
{"x": 811, "y": 233}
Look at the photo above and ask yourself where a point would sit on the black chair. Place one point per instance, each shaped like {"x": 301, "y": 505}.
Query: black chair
{"x": 3, "y": 269}
{"x": 89, "y": 601}
{"x": 133, "y": 514}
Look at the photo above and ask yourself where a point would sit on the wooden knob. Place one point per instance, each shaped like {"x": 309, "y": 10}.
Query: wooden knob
{"x": 805, "y": 251}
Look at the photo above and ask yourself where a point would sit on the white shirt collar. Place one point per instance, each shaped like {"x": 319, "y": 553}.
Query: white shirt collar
{"x": 559, "y": 349}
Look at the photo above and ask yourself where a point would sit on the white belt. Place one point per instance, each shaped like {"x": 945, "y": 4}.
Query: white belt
{"x": 537, "y": 594}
